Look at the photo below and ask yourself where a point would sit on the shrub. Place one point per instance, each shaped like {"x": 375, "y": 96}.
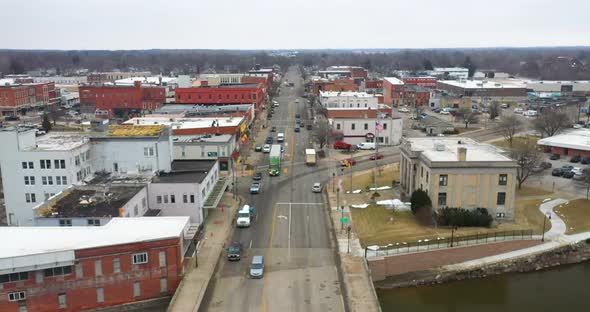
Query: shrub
{"x": 419, "y": 199}
{"x": 464, "y": 217}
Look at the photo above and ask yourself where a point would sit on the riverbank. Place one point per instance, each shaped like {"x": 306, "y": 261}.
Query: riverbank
{"x": 569, "y": 254}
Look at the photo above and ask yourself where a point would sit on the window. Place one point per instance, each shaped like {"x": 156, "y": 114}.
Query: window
{"x": 77, "y": 160}
{"x": 503, "y": 179}
{"x": 140, "y": 258}
{"x": 366, "y": 126}
{"x": 148, "y": 151}
{"x": 44, "y": 180}
{"x": 61, "y": 299}
{"x": 45, "y": 163}
{"x": 100, "y": 295}
{"x": 58, "y": 180}
{"x": 29, "y": 180}
{"x": 79, "y": 270}
{"x": 184, "y": 198}
{"x": 192, "y": 198}
{"x": 50, "y": 180}
{"x": 159, "y": 199}
{"x": 384, "y": 126}
{"x": 352, "y": 126}
{"x": 31, "y": 166}
{"x": 116, "y": 265}
{"x": 59, "y": 271}
{"x": 427, "y": 176}
{"x": 64, "y": 180}
{"x": 166, "y": 199}
{"x": 94, "y": 222}
{"x": 17, "y": 296}
{"x": 162, "y": 258}
{"x": 65, "y": 222}
{"x": 136, "y": 289}
{"x": 163, "y": 285}
{"x": 24, "y": 165}
{"x": 501, "y": 199}
{"x": 14, "y": 277}
{"x": 442, "y": 200}
{"x": 172, "y": 199}
{"x": 62, "y": 163}
{"x": 56, "y": 163}
{"x": 98, "y": 268}
{"x": 443, "y": 179}
{"x": 337, "y": 126}
{"x": 30, "y": 198}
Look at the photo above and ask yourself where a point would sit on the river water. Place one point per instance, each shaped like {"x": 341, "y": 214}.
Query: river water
{"x": 562, "y": 289}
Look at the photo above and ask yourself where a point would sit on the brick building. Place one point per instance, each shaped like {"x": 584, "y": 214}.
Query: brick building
{"x": 416, "y": 95}
{"x": 16, "y": 96}
{"x": 575, "y": 142}
{"x": 104, "y": 77}
{"x": 79, "y": 268}
{"x": 393, "y": 91}
{"x": 110, "y": 98}
{"x": 426, "y": 82}
{"x": 323, "y": 84}
{"x": 223, "y": 94}
{"x": 485, "y": 88}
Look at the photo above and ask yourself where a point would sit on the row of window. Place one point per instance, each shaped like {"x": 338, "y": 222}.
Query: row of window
{"x": 90, "y": 222}
{"x": 57, "y": 163}
{"x": 443, "y": 179}
{"x": 442, "y": 199}
{"x": 353, "y": 126}
{"x": 123, "y": 94}
{"x": 47, "y": 180}
{"x": 219, "y": 96}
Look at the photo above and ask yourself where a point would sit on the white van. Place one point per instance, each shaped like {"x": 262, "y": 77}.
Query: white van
{"x": 366, "y": 146}
{"x": 280, "y": 137}
{"x": 243, "y": 217}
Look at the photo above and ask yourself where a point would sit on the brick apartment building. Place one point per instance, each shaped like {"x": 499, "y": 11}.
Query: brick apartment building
{"x": 223, "y": 94}
{"x": 112, "y": 98}
{"x": 426, "y": 82}
{"x": 16, "y": 96}
{"x": 67, "y": 268}
{"x": 416, "y": 95}
{"x": 393, "y": 91}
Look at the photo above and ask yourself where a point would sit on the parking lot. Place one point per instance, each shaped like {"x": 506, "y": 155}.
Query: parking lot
{"x": 559, "y": 184}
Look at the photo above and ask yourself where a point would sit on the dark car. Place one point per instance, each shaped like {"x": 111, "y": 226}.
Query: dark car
{"x": 545, "y": 165}
{"x": 296, "y": 129}
{"x": 269, "y": 140}
{"x": 297, "y": 116}
{"x": 554, "y": 157}
{"x": 557, "y": 172}
{"x": 568, "y": 174}
{"x": 576, "y": 159}
{"x": 308, "y": 127}
{"x": 258, "y": 148}
{"x": 436, "y": 110}
{"x": 234, "y": 251}
{"x": 567, "y": 167}
{"x": 585, "y": 160}
{"x": 257, "y": 176}
{"x": 273, "y": 129}
{"x": 11, "y": 118}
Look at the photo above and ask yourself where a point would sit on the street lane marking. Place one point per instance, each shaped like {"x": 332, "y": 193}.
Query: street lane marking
{"x": 250, "y": 245}
{"x": 289, "y": 235}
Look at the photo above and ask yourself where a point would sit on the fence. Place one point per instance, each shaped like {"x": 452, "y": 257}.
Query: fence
{"x": 446, "y": 242}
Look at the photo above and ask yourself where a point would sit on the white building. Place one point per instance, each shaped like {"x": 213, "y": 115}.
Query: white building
{"x": 36, "y": 168}
{"x": 362, "y": 125}
{"x": 69, "y": 98}
{"x": 453, "y": 72}
{"x": 61, "y": 80}
{"x": 347, "y": 99}
{"x": 132, "y": 150}
{"x": 205, "y": 147}
{"x": 559, "y": 86}
{"x": 217, "y": 79}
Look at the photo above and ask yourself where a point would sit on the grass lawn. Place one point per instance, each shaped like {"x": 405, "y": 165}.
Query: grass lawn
{"x": 576, "y": 215}
{"x": 377, "y": 225}
{"x": 361, "y": 181}
{"x": 531, "y": 191}
{"x": 529, "y": 139}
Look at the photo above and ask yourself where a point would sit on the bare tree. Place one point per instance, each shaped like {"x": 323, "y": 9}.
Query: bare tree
{"x": 494, "y": 110}
{"x": 527, "y": 156}
{"x": 510, "y": 125}
{"x": 551, "y": 122}
{"x": 467, "y": 117}
{"x": 322, "y": 129}
{"x": 586, "y": 173}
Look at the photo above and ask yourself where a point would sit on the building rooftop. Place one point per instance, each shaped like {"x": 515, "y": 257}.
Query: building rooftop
{"x": 153, "y": 80}
{"x": 202, "y": 109}
{"x": 451, "y": 69}
{"x": 575, "y": 139}
{"x": 59, "y": 141}
{"x": 135, "y": 131}
{"x": 346, "y": 93}
{"x": 42, "y": 247}
{"x": 444, "y": 149}
{"x": 208, "y": 138}
{"x": 483, "y": 84}
{"x": 186, "y": 123}
{"x": 186, "y": 171}
{"x": 393, "y": 80}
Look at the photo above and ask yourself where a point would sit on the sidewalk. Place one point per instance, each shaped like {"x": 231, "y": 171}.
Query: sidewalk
{"x": 217, "y": 226}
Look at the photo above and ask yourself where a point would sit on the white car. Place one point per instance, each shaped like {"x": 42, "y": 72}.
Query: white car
{"x": 266, "y": 148}
{"x": 297, "y": 101}
{"x": 578, "y": 126}
{"x": 518, "y": 110}
{"x": 403, "y": 110}
{"x": 577, "y": 170}
{"x": 444, "y": 112}
{"x": 316, "y": 188}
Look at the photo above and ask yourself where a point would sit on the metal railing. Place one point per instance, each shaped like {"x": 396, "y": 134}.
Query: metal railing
{"x": 446, "y": 242}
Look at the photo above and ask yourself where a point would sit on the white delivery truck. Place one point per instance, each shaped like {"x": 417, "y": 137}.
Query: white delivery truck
{"x": 310, "y": 157}
{"x": 366, "y": 146}
{"x": 244, "y": 216}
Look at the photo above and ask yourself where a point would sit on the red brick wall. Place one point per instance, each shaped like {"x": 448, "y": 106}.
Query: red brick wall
{"x": 124, "y": 97}
{"x": 392, "y": 94}
{"x": 334, "y": 85}
{"x": 118, "y": 287}
{"x": 570, "y": 152}
{"x": 420, "y": 81}
{"x": 213, "y": 95}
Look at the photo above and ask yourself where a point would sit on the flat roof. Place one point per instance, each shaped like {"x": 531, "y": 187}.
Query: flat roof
{"x": 346, "y": 93}
{"x": 146, "y": 80}
{"x": 451, "y": 69}
{"x": 59, "y": 141}
{"x": 39, "y": 246}
{"x": 476, "y": 152}
{"x": 394, "y": 81}
{"x": 578, "y": 139}
{"x": 186, "y": 123}
{"x": 233, "y": 85}
{"x": 208, "y": 138}
{"x": 483, "y": 84}
{"x": 186, "y": 171}
{"x": 135, "y": 131}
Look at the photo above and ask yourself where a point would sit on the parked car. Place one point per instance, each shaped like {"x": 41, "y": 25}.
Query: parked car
{"x": 585, "y": 160}
{"x": 297, "y": 116}
{"x": 537, "y": 169}
{"x": 445, "y": 112}
{"x": 557, "y": 172}
{"x": 403, "y": 110}
{"x": 436, "y": 110}
{"x": 518, "y": 110}
{"x": 576, "y": 159}
{"x": 317, "y": 187}
{"x": 375, "y": 157}
{"x": 297, "y": 129}
{"x": 255, "y": 188}
{"x": 579, "y": 177}
{"x": 545, "y": 165}
{"x": 257, "y": 176}
{"x": 266, "y": 148}
{"x": 578, "y": 126}
{"x": 351, "y": 161}
{"x": 567, "y": 167}
{"x": 568, "y": 175}
{"x": 308, "y": 127}
{"x": 269, "y": 140}
{"x": 341, "y": 145}
{"x": 258, "y": 148}
{"x": 577, "y": 170}
{"x": 273, "y": 129}
{"x": 233, "y": 251}
{"x": 554, "y": 157}
{"x": 11, "y": 118}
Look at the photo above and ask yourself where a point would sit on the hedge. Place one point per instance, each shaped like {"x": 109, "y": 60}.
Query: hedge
{"x": 464, "y": 217}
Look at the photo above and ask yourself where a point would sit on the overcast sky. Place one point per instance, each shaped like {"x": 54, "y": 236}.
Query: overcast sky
{"x": 291, "y": 24}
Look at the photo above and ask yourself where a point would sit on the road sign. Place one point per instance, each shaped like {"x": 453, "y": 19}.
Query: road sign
{"x": 343, "y": 220}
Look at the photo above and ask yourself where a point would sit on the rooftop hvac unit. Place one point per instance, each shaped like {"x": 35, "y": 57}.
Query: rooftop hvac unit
{"x": 439, "y": 146}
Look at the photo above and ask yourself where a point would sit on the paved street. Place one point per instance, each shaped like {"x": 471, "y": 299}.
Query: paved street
{"x": 291, "y": 230}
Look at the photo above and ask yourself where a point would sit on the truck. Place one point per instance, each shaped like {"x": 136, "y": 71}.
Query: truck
{"x": 244, "y": 216}
{"x": 310, "y": 157}
{"x": 274, "y": 160}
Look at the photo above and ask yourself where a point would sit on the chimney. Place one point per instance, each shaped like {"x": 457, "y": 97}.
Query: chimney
{"x": 461, "y": 153}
